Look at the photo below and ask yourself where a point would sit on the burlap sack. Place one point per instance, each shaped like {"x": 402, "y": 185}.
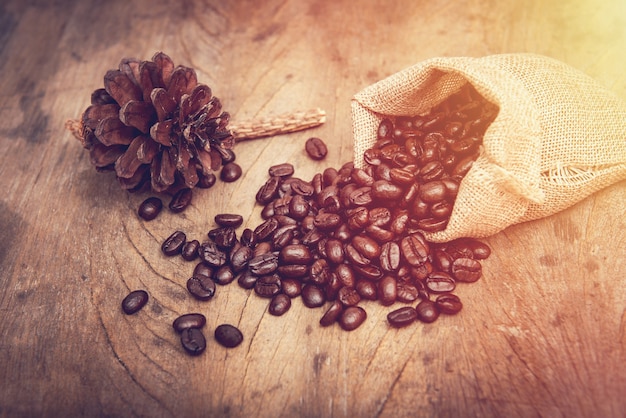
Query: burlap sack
{"x": 559, "y": 135}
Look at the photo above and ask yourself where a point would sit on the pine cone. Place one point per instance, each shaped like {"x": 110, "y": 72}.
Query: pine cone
{"x": 153, "y": 122}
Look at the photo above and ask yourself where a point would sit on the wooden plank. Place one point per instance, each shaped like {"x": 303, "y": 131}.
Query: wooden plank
{"x": 542, "y": 333}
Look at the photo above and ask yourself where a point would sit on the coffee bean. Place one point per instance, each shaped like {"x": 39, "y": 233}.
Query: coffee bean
{"x": 366, "y": 247}
{"x": 268, "y": 285}
{"x": 228, "y": 220}
{"x": 223, "y": 275}
{"x": 291, "y": 287}
{"x": 150, "y": 208}
{"x": 433, "y": 191}
{"x": 295, "y": 254}
{"x": 181, "y": 200}
{"x": 366, "y": 289}
{"x": 263, "y": 264}
{"x": 402, "y": 317}
{"x": 415, "y": 249}
{"x": 352, "y": 317}
{"x": 134, "y": 301}
{"x": 266, "y": 229}
{"x": 280, "y": 304}
{"x": 327, "y": 221}
{"x": 332, "y": 314}
{"x": 389, "y": 258}
{"x": 427, "y": 311}
{"x": 439, "y": 282}
{"x": 203, "y": 270}
{"x": 448, "y": 304}
{"x": 193, "y": 341}
{"x": 348, "y": 296}
{"x": 230, "y": 172}
{"x": 246, "y": 279}
{"x": 211, "y": 254}
{"x": 466, "y": 270}
{"x": 189, "y": 251}
{"x": 281, "y": 170}
{"x": 293, "y": 270}
{"x": 206, "y": 181}
{"x": 201, "y": 288}
{"x": 312, "y": 296}
{"x": 406, "y": 293}
{"x": 190, "y": 320}
{"x": 316, "y": 148}
{"x": 268, "y": 191}
{"x": 225, "y": 238}
{"x": 385, "y": 190}
{"x": 173, "y": 245}
{"x": 228, "y": 335}
{"x": 387, "y": 290}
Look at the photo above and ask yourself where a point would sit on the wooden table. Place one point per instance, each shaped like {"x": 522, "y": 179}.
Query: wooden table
{"x": 543, "y": 333}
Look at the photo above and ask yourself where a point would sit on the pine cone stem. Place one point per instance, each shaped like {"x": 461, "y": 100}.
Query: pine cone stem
{"x": 277, "y": 125}
{"x": 249, "y": 129}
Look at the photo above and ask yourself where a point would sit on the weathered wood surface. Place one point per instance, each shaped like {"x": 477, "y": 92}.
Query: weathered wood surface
{"x": 542, "y": 334}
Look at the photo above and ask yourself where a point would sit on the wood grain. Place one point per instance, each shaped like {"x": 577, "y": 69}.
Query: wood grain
{"x": 543, "y": 333}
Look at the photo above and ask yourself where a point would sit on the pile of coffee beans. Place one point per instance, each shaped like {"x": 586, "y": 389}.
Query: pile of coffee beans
{"x": 353, "y": 234}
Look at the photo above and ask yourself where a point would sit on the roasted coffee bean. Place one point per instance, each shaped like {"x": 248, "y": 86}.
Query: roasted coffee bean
{"x": 263, "y": 264}
{"x": 463, "y": 166}
{"x": 228, "y": 335}
{"x": 268, "y": 191}
{"x": 298, "y": 207}
{"x": 419, "y": 209}
{"x": 348, "y": 296}
{"x": 345, "y": 274}
{"x": 316, "y": 148}
{"x": 224, "y": 275}
{"x": 358, "y": 218}
{"x": 401, "y": 176}
{"x": 361, "y": 196}
{"x": 433, "y": 191}
{"x": 293, "y": 270}
{"x": 427, "y": 311}
{"x": 367, "y": 247}
{"x": 466, "y": 270}
{"x": 206, "y": 181}
{"x": 442, "y": 260}
{"x": 281, "y": 170}
{"x": 134, "y": 301}
{"x": 379, "y": 234}
{"x": 239, "y": 258}
{"x": 406, "y": 293}
{"x": 312, "y": 296}
{"x": 439, "y": 282}
{"x": 295, "y": 254}
{"x": 399, "y": 222}
{"x": 302, "y": 188}
{"x": 228, "y": 155}
{"x": 432, "y": 224}
{"x": 402, "y": 317}
{"x": 355, "y": 257}
{"x": 193, "y": 341}
{"x": 283, "y": 236}
{"x": 480, "y": 250}
{"x": 291, "y": 287}
{"x": 173, "y": 245}
{"x": 385, "y": 129}
{"x": 369, "y": 272}
{"x": 279, "y": 304}
{"x": 230, "y": 172}
{"x": 352, "y": 317}
{"x": 415, "y": 249}
{"x": 441, "y": 210}
{"x": 150, "y": 208}
{"x": 190, "y": 320}
{"x": 334, "y": 251}
{"x": 181, "y": 200}
{"x": 332, "y": 314}
{"x": 327, "y": 221}
{"x": 203, "y": 270}
{"x": 389, "y": 258}
{"x": 387, "y": 290}
{"x": 201, "y": 288}
{"x": 246, "y": 279}
{"x": 380, "y": 216}
{"x": 433, "y": 170}
{"x": 448, "y": 304}
{"x": 231, "y": 220}
{"x": 211, "y": 254}
{"x": 319, "y": 271}
{"x": 268, "y": 285}
{"x": 248, "y": 238}
{"x": 366, "y": 289}
{"x": 189, "y": 251}
{"x": 266, "y": 229}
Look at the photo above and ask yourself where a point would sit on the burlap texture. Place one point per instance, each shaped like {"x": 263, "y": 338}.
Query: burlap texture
{"x": 559, "y": 135}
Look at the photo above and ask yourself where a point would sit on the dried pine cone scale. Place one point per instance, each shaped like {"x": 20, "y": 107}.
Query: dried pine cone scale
{"x": 153, "y": 122}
